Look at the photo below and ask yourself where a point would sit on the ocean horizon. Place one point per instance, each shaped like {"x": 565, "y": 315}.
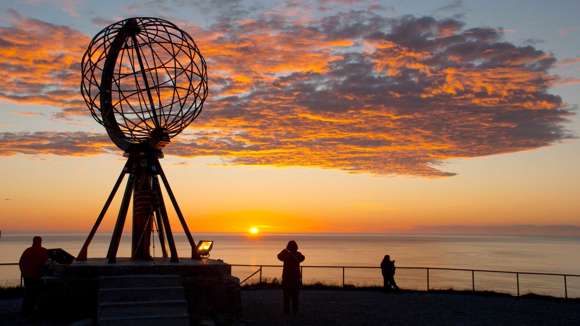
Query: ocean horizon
{"x": 361, "y": 248}
{"x": 521, "y": 253}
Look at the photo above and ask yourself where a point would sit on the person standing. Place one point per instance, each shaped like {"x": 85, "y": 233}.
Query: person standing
{"x": 31, "y": 263}
{"x": 388, "y": 271}
{"x": 291, "y": 276}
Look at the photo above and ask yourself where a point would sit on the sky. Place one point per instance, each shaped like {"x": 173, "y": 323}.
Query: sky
{"x": 322, "y": 116}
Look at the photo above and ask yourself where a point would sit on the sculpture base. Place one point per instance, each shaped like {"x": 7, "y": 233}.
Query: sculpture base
{"x": 78, "y": 290}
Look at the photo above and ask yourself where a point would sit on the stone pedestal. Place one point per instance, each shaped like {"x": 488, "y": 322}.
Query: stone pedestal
{"x": 72, "y": 292}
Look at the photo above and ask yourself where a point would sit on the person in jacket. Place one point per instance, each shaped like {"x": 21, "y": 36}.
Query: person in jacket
{"x": 31, "y": 264}
{"x": 388, "y": 271}
{"x": 291, "y": 276}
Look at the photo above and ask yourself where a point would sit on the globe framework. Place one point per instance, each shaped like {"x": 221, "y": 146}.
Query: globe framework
{"x": 158, "y": 84}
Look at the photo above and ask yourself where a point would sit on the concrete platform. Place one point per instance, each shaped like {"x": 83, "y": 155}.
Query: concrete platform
{"x": 100, "y": 267}
{"x": 76, "y": 290}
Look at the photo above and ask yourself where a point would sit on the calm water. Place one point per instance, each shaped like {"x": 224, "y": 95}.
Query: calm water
{"x": 515, "y": 253}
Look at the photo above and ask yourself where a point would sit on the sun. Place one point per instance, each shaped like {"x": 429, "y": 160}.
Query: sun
{"x": 254, "y": 230}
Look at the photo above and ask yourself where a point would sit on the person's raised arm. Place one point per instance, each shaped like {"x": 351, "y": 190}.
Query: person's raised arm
{"x": 300, "y": 257}
{"x": 282, "y": 255}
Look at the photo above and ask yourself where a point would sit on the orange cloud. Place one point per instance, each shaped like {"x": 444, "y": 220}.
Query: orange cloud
{"x": 57, "y": 143}
{"x": 569, "y": 61}
{"x": 567, "y": 81}
{"x": 354, "y": 91}
{"x": 40, "y": 63}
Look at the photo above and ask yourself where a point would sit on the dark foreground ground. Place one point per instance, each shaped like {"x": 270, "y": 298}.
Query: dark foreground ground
{"x": 335, "y": 307}
{"x": 368, "y": 307}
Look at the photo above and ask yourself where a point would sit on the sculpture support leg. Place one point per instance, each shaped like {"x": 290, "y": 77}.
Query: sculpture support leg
{"x": 143, "y": 208}
{"x": 141, "y": 242}
{"x": 118, "y": 231}
{"x": 165, "y": 218}
{"x": 82, "y": 256}
{"x": 177, "y": 210}
{"x": 161, "y": 231}
{"x": 144, "y": 186}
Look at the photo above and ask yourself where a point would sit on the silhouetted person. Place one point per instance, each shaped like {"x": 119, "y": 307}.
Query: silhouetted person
{"x": 31, "y": 263}
{"x": 388, "y": 270}
{"x": 291, "y": 276}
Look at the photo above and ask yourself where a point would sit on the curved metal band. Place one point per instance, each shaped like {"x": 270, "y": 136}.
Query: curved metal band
{"x": 107, "y": 112}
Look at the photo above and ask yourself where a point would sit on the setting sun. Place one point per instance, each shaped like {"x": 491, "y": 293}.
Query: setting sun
{"x": 254, "y": 230}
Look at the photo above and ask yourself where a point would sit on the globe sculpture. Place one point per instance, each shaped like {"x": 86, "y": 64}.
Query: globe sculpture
{"x": 145, "y": 81}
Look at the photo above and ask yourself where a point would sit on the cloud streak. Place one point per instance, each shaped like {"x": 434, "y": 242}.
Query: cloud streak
{"x": 39, "y": 63}
{"x": 354, "y": 91}
{"x": 57, "y": 143}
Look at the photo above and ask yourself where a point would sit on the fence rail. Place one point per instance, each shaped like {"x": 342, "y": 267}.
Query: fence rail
{"x": 427, "y": 270}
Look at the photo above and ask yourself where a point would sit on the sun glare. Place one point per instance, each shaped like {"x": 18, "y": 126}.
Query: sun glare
{"x": 254, "y": 230}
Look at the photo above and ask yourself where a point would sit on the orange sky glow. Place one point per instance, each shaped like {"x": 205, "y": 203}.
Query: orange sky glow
{"x": 313, "y": 124}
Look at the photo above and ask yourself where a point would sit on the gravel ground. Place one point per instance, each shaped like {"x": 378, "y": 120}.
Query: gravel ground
{"x": 359, "y": 307}
{"x": 332, "y": 307}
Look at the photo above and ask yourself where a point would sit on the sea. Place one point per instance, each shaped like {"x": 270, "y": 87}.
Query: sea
{"x": 345, "y": 254}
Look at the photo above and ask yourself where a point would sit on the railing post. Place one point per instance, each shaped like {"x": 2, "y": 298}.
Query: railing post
{"x": 518, "y": 282}
{"x": 427, "y": 279}
{"x": 565, "y": 288}
{"x": 473, "y": 280}
{"x": 260, "y": 274}
{"x": 342, "y": 276}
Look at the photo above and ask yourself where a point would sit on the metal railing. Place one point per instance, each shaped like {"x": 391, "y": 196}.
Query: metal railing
{"x": 427, "y": 271}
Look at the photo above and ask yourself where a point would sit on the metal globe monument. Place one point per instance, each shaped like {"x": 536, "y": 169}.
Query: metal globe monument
{"x": 145, "y": 81}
